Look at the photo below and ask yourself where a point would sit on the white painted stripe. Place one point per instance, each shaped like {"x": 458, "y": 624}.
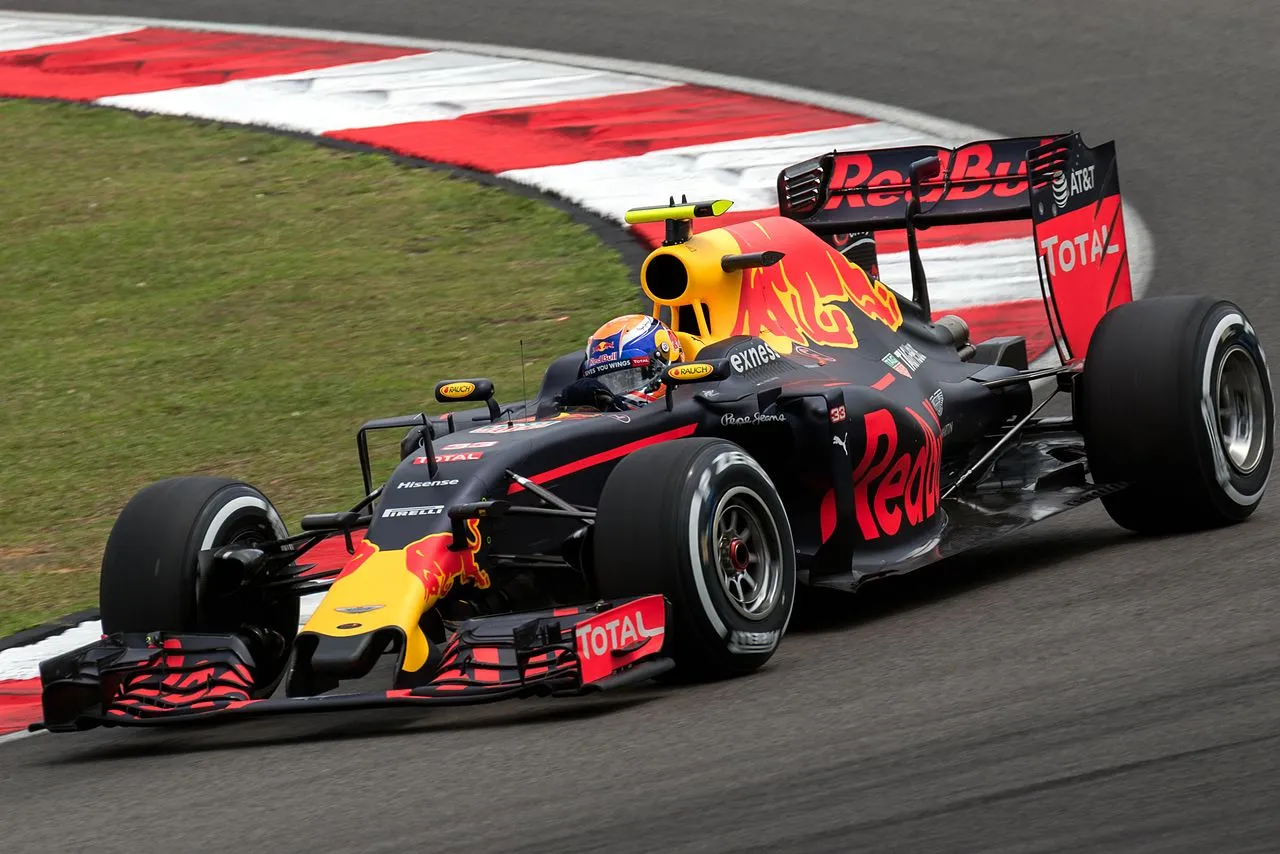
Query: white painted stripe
{"x": 970, "y": 274}
{"x": 307, "y": 606}
{"x": 23, "y": 33}
{"x": 744, "y": 170}
{"x": 422, "y": 87}
{"x": 24, "y": 662}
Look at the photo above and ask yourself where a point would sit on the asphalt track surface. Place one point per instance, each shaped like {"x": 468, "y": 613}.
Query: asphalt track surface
{"x": 1075, "y": 688}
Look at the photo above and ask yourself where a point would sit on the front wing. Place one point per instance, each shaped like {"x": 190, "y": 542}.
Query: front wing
{"x": 162, "y": 678}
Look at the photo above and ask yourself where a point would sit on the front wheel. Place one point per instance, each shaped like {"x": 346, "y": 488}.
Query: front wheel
{"x": 1176, "y": 400}
{"x": 151, "y": 578}
{"x": 699, "y": 521}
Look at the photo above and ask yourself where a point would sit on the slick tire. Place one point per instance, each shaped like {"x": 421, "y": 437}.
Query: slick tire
{"x": 689, "y": 519}
{"x": 1176, "y": 399}
{"x": 150, "y": 578}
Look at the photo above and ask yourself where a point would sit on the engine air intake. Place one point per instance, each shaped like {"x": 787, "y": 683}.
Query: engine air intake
{"x": 666, "y": 278}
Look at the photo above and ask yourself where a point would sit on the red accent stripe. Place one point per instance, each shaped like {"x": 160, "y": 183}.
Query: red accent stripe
{"x": 151, "y": 59}
{"x": 884, "y": 382}
{"x": 606, "y": 456}
{"x": 827, "y": 515}
{"x": 598, "y": 128}
{"x": 886, "y": 241}
{"x": 331, "y": 553}
{"x": 19, "y": 704}
{"x": 1019, "y": 317}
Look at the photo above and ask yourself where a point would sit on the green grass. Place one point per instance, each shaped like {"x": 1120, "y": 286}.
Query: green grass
{"x": 180, "y": 298}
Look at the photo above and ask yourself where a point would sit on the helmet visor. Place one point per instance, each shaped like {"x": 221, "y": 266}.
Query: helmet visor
{"x": 623, "y": 380}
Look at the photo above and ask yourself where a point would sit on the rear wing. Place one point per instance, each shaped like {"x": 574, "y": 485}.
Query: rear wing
{"x": 868, "y": 190}
{"x": 1069, "y": 191}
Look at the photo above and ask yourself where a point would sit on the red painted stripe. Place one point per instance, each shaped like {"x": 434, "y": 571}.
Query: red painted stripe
{"x": 331, "y": 553}
{"x": 19, "y": 704}
{"x": 598, "y": 128}
{"x": 152, "y": 59}
{"x": 827, "y": 515}
{"x": 952, "y": 235}
{"x": 606, "y": 456}
{"x": 884, "y": 382}
{"x": 1020, "y": 317}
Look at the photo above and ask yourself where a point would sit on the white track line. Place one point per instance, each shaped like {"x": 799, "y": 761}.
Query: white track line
{"x": 14, "y": 736}
{"x": 23, "y": 662}
{"x": 57, "y": 30}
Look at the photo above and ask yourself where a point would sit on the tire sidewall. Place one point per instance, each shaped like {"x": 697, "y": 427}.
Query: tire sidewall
{"x": 717, "y": 625}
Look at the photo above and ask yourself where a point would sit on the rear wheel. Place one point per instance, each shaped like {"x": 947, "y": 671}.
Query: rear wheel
{"x": 698, "y": 521}
{"x": 1176, "y": 399}
{"x": 151, "y": 580}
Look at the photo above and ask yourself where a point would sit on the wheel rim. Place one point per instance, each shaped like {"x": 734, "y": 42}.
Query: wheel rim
{"x": 221, "y": 598}
{"x": 748, "y": 557}
{"x": 1242, "y": 410}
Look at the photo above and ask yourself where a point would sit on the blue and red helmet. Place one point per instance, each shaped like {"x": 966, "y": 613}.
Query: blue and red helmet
{"x": 628, "y": 354}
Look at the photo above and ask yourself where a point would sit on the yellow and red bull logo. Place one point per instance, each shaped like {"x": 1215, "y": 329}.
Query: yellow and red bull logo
{"x": 403, "y": 583}
{"x": 432, "y": 561}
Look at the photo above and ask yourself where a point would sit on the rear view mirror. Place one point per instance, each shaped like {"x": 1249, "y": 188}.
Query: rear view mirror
{"x": 683, "y": 373}
{"x": 687, "y": 373}
{"x": 457, "y": 391}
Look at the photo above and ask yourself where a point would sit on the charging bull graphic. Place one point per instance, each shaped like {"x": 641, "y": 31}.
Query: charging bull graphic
{"x": 439, "y": 567}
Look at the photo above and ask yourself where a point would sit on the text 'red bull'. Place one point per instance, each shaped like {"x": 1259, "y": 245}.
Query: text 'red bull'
{"x": 977, "y": 176}
{"x": 890, "y": 489}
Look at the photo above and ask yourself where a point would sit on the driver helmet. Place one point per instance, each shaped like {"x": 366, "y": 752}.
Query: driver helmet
{"x": 628, "y": 354}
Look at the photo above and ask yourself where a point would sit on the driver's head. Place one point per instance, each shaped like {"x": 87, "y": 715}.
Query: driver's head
{"x": 629, "y": 353}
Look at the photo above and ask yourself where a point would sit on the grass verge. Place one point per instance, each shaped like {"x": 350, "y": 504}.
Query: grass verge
{"x": 181, "y": 298}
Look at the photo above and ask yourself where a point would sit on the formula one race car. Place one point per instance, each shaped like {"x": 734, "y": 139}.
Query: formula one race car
{"x": 823, "y": 430}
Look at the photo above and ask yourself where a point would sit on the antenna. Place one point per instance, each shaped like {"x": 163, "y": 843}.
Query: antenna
{"x": 524, "y": 391}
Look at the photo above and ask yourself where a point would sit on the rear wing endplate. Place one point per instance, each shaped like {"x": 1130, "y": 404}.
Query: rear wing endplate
{"x": 1082, "y": 254}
